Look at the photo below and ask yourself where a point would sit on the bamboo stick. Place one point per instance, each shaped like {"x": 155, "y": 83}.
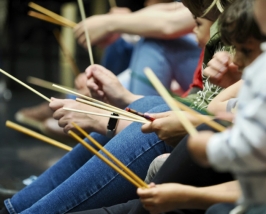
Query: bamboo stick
{"x": 170, "y": 101}
{"x": 114, "y": 109}
{"x": 37, "y": 135}
{"x": 83, "y": 16}
{"x": 112, "y": 157}
{"x": 104, "y": 159}
{"x": 120, "y": 111}
{"x": 25, "y": 85}
{"x": 52, "y": 14}
{"x": 44, "y": 84}
{"x": 46, "y": 18}
{"x": 106, "y": 115}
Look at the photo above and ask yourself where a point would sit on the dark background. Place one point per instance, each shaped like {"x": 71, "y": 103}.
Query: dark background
{"x": 28, "y": 48}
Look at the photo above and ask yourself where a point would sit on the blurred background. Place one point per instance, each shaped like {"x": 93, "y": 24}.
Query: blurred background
{"x": 28, "y": 48}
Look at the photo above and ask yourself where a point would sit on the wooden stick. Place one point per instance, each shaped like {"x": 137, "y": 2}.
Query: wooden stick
{"x": 83, "y": 16}
{"x": 25, "y": 85}
{"x": 45, "y": 18}
{"x": 44, "y": 84}
{"x": 112, "y": 157}
{"x": 112, "y": 3}
{"x": 37, "y": 135}
{"x": 104, "y": 159}
{"x": 170, "y": 101}
{"x": 52, "y": 14}
{"x": 67, "y": 54}
{"x": 114, "y": 109}
{"x": 106, "y": 115}
{"x": 120, "y": 111}
{"x": 201, "y": 117}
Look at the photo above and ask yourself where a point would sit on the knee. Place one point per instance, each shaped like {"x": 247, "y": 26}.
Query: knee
{"x": 155, "y": 166}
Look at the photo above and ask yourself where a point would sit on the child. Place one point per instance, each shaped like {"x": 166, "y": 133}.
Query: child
{"x": 202, "y": 32}
{"x": 241, "y": 149}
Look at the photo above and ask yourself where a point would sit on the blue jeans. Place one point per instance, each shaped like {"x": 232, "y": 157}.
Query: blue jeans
{"x": 81, "y": 181}
{"x": 169, "y": 59}
{"x": 116, "y": 57}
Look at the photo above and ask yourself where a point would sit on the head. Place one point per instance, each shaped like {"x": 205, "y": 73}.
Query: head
{"x": 202, "y": 30}
{"x": 260, "y": 14}
{"x": 209, "y": 9}
{"x": 238, "y": 28}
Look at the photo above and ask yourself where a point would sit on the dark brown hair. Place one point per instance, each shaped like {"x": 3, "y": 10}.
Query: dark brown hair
{"x": 209, "y": 9}
{"x": 237, "y": 23}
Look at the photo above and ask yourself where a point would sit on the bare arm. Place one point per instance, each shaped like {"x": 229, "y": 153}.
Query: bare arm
{"x": 171, "y": 196}
{"x": 222, "y": 193}
{"x": 162, "y": 21}
{"x": 219, "y": 103}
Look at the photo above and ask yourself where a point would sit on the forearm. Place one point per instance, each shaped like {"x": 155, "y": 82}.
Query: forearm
{"x": 219, "y": 103}
{"x": 196, "y": 121}
{"x": 204, "y": 197}
{"x": 154, "y": 24}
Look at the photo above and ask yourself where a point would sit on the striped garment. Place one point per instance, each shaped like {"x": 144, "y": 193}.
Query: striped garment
{"x": 242, "y": 149}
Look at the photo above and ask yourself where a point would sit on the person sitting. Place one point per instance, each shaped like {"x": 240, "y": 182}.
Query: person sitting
{"x": 82, "y": 176}
{"x": 241, "y": 149}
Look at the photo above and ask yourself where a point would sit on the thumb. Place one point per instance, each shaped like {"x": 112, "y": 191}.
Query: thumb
{"x": 233, "y": 67}
{"x": 147, "y": 128}
{"x": 158, "y": 115}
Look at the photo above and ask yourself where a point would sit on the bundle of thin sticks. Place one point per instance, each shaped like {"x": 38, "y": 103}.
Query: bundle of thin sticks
{"x": 49, "y": 16}
{"x": 37, "y": 135}
{"x": 108, "y": 107}
{"x": 133, "y": 117}
{"x": 126, "y": 173}
{"x": 119, "y": 167}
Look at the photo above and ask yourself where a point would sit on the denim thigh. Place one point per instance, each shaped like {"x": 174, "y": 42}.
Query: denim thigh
{"x": 91, "y": 183}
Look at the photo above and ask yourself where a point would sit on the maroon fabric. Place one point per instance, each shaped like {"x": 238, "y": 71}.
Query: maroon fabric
{"x": 197, "y": 79}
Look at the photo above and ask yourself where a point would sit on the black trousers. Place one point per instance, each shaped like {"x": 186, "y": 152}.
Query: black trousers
{"x": 178, "y": 168}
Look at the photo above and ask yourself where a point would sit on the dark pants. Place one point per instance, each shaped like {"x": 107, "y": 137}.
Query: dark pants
{"x": 178, "y": 168}
{"x": 220, "y": 208}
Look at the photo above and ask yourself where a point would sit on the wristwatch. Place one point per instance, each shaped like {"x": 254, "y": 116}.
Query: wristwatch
{"x": 111, "y": 127}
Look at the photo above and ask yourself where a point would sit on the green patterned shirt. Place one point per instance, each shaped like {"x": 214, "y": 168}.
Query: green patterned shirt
{"x": 202, "y": 98}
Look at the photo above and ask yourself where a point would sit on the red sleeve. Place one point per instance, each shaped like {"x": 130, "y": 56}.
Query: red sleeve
{"x": 197, "y": 79}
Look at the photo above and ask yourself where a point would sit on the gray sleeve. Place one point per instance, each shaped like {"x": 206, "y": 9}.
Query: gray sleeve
{"x": 231, "y": 104}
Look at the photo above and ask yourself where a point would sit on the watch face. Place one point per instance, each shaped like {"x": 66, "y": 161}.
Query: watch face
{"x": 112, "y": 122}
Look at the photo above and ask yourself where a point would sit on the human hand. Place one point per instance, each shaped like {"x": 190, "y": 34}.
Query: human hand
{"x": 105, "y": 86}
{"x": 88, "y": 122}
{"x": 165, "y": 197}
{"x": 119, "y": 10}
{"x": 227, "y": 116}
{"x": 81, "y": 84}
{"x": 98, "y": 29}
{"x": 222, "y": 71}
{"x": 197, "y": 146}
{"x": 167, "y": 126}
